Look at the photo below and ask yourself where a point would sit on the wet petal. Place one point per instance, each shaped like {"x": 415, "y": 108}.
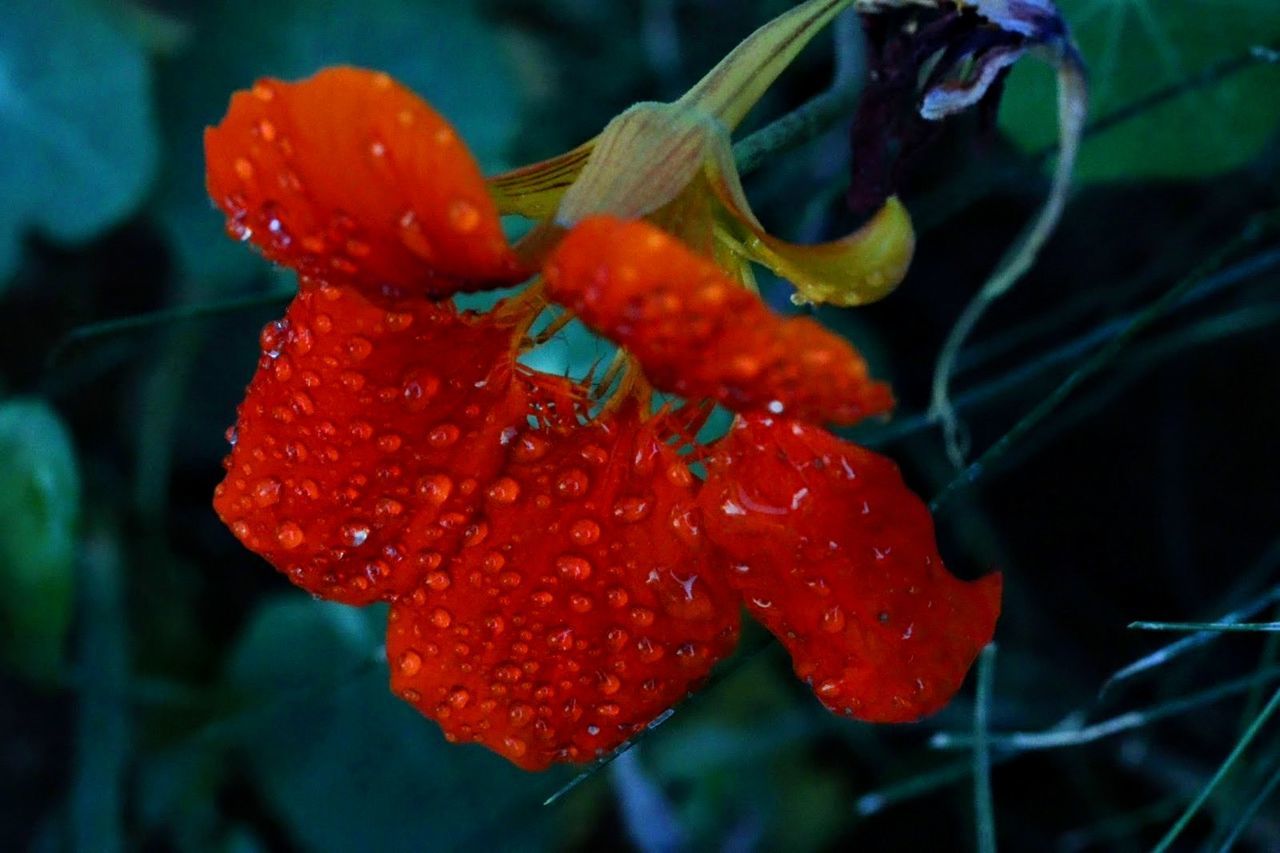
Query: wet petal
{"x": 837, "y": 558}
{"x": 585, "y": 605}
{"x": 366, "y": 438}
{"x": 348, "y": 176}
{"x": 699, "y": 334}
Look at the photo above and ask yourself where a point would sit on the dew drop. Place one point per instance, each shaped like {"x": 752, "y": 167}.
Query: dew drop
{"x": 573, "y": 568}
{"x": 584, "y": 532}
{"x": 631, "y": 510}
{"x": 561, "y": 639}
{"x": 441, "y": 618}
{"x": 832, "y": 620}
{"x": 572, "y": 483}
{"x": 266, "y": 492}
{"x": 504, "y": 491}
{"x": 359, "y": 348}
{"x": 410, "y": 662}
{"x": 464, "y": 217}
{"x": 289, "y": 535}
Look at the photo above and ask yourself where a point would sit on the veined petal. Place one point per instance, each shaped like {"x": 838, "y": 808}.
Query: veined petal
{"x": 534, "y": 191}
{"x": 589, "y": 605}
{"x": 698, "y": 334}
{"x": 732, "y": 88}
{"x": 859, "y": 268}
{"x": 837, "y": 558}
{"x": 366, "y": 439}
{"x": 348, "y": 176}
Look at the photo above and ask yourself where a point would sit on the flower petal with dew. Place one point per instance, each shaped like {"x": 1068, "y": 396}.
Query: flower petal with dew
{"x": 361, "y": 452}
{"x": 699, "y": 334}
{"x": 837, "y": 558}
{"x": 590, "y": 604}
{"x": 351, "y": 178}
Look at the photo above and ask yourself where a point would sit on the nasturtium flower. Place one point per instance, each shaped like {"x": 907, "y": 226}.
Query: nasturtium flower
{"x": 562, "y": 569}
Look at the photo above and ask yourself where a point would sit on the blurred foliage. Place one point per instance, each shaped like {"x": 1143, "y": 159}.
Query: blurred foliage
{"x": 1135, "y": 49}
{"x": 40, "y": 504}
{"x": 164, "y": 689}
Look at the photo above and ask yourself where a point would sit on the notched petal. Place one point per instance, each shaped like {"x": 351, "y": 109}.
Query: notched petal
{"x": 697, "y": 333}
{"x": 348, "y": 176}
{"x": 583, "y": 604}
{"x": 837, "y": 558}
{"x": 366, "y": 438}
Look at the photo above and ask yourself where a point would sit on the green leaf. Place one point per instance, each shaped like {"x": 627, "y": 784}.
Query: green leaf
{"x": 39, "y": 502}
{"x": 75, "y": 124}
{"x": 441, "y": 50}
{"x": 1136, "y": 47}
{"x": 347, "y": 766}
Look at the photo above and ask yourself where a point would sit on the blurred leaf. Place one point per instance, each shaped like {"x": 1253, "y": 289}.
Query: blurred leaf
{"x": 40, "y": 503}
{"x": 440, "y": 49}
{"x": 345, "y": 765}
{"x": 75, "y": 123}
{"x": 1135, "y": 47}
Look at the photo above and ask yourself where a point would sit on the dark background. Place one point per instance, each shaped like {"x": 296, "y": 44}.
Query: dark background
{"x": 162, "y": 688}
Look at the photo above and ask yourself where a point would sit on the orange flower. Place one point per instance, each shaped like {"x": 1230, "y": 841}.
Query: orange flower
{"x": 558, "y": 574}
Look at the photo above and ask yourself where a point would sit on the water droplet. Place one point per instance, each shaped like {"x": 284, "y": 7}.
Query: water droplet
{"x": 617, "y": 597}
{"x": 573, "y": 568}
{"x": 388, "y": 507}
{"x": 359, "y": 348}
{"x": 355, "y": 535}
{"x": 608, "y": 683}
{"x": 642, "y": 616}
{"x": 561, "y": 639}
{"x": 520, "y": 715}
{"x": 410, "y": 662}
{"x": 832, "y": 620}
{"x": 289, "y": 535}
{"x": 437, "y": 581}
{"x": 459, "y": 698}
{"x": 443, "y": 435}
{"x": 243, "y": 168}
{"x": 441, "y": 618}
{"x": 649, "y": 651}
{"x": 464, "y": 216}
{"x": 413, "y": 238}
{"x": 436, "y": 488}
{"x": 572, "y": 483}
{"x": 267, "y": 130}
{"x": 584, "y": 532}
{"x": 504, "y": 491}
{"x": 631, "y": 510}
{"x": 266, "y": 492}
{"x": 530, "y": 448}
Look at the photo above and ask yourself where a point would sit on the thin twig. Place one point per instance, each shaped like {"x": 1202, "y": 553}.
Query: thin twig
{"x": 983, "y": 804}
{"x": 1257, "y": 227}
{"x": 1073, "y": 734}
{"x": 1241, "y": 745}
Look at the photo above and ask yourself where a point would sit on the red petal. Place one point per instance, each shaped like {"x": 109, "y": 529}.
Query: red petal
{"x": 585, "y": 607}
{"x": 838, "y": 559}
{"x": 699, "y": 334}
{"x": 348, "y": 176}
{"x": 366, "y": 438}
